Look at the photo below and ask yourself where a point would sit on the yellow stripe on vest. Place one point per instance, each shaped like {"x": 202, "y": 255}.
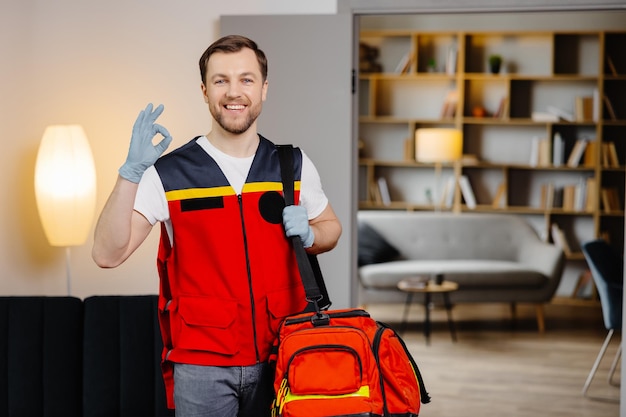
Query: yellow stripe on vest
{"x": 253, "y": 187}
{"x": 190, "y": 193}
{"x": 256, "y": 187}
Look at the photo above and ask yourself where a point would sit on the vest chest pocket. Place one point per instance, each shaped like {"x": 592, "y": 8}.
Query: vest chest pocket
{"x": 207, "y": 323}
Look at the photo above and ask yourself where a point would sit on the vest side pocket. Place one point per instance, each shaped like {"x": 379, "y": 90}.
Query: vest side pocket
{"x": 207, "y": 323}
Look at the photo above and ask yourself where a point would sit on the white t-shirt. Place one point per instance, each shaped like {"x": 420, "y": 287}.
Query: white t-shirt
{"x": 151, "y": 203}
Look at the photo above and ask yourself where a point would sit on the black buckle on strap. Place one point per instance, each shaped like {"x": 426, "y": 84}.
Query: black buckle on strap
{"x": 320, "y": 319}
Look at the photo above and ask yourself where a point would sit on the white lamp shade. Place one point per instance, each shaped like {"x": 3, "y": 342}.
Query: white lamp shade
{"x": 438, "y": 145}
{"x": 65, "y": 185}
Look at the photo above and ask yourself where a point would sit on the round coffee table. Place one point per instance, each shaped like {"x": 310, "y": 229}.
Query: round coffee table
{"x": 428, "y": 287}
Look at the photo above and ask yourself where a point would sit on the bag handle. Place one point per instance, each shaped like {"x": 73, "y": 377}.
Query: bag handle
{"x": 310, "y": 272}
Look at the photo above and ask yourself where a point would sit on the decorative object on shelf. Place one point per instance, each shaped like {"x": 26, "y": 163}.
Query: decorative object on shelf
{"x": 451, "y": 60}
{"x": 368, "y": 59}
{"x": 438, "y": 145}
{"x": 65, "y": 187}
{"x": 432, "y": 65}
{"x": 479, "y": 111}
{"x": 495, "y": 63}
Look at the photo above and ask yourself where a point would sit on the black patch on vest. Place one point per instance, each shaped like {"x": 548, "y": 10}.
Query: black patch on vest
{"x": 271, "y": 205}
{"x": 202, "y": 203}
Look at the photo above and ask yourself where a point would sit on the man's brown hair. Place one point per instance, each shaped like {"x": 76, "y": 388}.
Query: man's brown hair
{"x": 230, "y": 44}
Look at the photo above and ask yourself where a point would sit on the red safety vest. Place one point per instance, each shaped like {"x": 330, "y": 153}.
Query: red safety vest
{"x": 230, "y": 276}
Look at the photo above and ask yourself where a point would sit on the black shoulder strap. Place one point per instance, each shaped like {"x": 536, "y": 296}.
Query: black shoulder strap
{"x": 308, "y": 265}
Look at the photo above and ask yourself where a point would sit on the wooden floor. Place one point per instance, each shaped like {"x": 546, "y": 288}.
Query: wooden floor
{"x": 495, "y": 369}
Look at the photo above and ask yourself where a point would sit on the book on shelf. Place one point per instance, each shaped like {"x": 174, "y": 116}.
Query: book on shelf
{"x": 580, "y": 195}
{"x": 577, "y": 152}
{"x": 539, "y": 116}
{"x": 611, "y": 65}
{"x": 559, "y": 239}
{"x": 448, "y": 110}
{"x": 584, "y": 285}
{"x": 499, "y": 200}
{"x": 591, "y": 195}
{"x": 605, "y": 235}
{"x": 613, "y": 159}
{"x": 596, "y": 105}
{"x": 503, "y": 109}
{"x": 553, "y": 196}
{"x": 383, "y": 189}
{"x": 409, "y": 149}
{"x": 375, "y": 196}
{"x": 609, "y": 107}
{"x": 561, "y": 114}
{"x": 558, "y": 150}
{"x": 545, "y": 153}
{"x": 540, "y": 152}
{"x": 534, "y": 152}
{"x": 591, "y": 152}
{"x": 609, "y": 155}
{"x": 404, "y": 65}
{"x": 574, "y": 196}
{"x": 569, "y": 197}
{"x": 604, "y": 156}
{"x": 467, "y": 192}
{"x": 583, "y": 108}
{"x": 447, "y": 196}
{"x": 610, "y": 199}
{"x": 557, "y": 197}
{"x": 469, "y": 159}
{"x": 451, "y": 60}
{"x": 547, "y": 196}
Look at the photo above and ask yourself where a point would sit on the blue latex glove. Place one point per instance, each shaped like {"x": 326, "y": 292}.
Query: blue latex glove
{"x": 296, "y": 222}
{"x": 142, "y": 153}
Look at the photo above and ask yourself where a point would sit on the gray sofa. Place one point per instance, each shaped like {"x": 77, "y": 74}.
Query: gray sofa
{"x": 493, "y": 257}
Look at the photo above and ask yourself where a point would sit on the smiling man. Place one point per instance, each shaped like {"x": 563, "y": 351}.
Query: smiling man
{"x": 228, "y": 274}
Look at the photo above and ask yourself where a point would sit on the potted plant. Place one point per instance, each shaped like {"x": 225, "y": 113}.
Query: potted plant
{"x": 432, "y": 65}
{"x": 495, "y": 62}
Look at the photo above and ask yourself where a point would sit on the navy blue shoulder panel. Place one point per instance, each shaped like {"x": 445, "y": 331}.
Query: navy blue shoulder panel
{"x": 261, "y": 170}
{"x": 189, "y": 167}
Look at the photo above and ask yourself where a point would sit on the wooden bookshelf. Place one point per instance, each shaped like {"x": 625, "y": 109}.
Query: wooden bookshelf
{"x": 552, "y": 84}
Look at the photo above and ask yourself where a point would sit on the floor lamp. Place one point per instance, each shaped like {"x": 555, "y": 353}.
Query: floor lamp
{"x": 438, "y": 145}
{"x": 65, "y": 188}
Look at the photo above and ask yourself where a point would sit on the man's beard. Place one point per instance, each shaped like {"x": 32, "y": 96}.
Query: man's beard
{"x": 236, "y": 127}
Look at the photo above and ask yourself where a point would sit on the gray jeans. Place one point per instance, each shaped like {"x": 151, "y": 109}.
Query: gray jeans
{"x": 213, "y": 391}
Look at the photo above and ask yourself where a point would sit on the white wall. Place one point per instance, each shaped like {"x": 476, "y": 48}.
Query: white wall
{"x": 97, "y": 63}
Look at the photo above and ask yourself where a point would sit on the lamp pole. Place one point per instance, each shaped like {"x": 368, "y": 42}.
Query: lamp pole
{"x": 68, "y": 271}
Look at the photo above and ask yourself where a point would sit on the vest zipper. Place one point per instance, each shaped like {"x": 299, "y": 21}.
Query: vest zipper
{"x": 252, "y": 305}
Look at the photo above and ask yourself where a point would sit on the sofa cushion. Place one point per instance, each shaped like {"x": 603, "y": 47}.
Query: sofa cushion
{"x": 469, "y": 274}
{"x": 373, "y": 248}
